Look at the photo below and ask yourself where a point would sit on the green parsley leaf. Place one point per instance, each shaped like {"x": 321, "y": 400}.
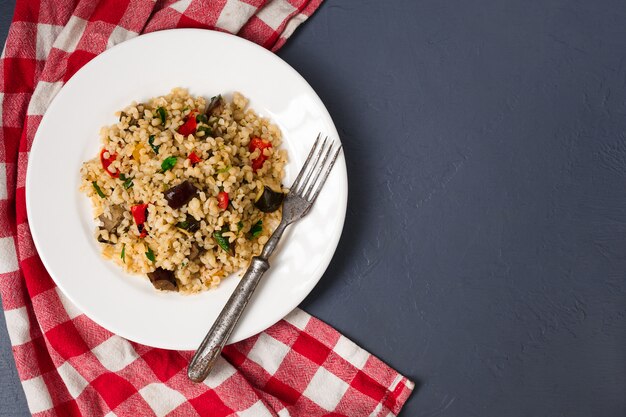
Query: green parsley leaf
{"x": 162, "y": 114}
{"x": 168, "y": 163}
{"x": 98, "y": 190}
{"x": 150, "y": 255}
{"x": 239, "y": 225}
{"x": 223, "y": 170}
{"x": 222, "y": 241}
{"x": 128, "y": 183}
{"x": 123, "y": 255}
{"x": 201, "y": 118}
{"x": 122, "y": 177}
{"x": 154, "y": 147}
{"x": 256, "y": 230}
{"x": 207, "y": 131}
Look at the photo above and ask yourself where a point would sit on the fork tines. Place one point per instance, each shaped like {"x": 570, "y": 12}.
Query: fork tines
{"x": 313, "y": 169}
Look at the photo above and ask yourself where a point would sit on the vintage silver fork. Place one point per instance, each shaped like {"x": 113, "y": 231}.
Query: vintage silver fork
{"x": 297, "y": 204}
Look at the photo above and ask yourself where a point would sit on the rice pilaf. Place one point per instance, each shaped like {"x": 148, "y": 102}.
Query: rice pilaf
{"x": 175, "y": 185}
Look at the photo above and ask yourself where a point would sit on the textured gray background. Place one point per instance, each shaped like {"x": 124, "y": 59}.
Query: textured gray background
{"x": 484, "y": 252}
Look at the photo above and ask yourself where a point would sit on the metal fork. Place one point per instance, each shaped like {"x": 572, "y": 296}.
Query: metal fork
{"x": 297, "y": 204}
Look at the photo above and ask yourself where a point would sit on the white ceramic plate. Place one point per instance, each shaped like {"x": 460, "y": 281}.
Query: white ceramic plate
{"x": 61, "y": 217}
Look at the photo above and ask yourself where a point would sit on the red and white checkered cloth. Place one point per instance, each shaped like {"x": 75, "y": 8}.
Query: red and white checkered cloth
{"x": 69, "y": 366}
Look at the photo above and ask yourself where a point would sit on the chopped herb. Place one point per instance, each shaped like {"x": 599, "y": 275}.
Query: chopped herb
{"x": 128, "y": 183}
{"x": 161, "y": 113}
{"x": 168, "y": 163}
{"x": 154, "y": 147}
{"x": 150, "y": 255}
{"x": 98, "y": 190}
{"x": 201, "y": 118}
{"x": 122, "y": 177}
{"x": 256, "y": 230}
{"x": 240, "y": 225}
{"x": 207, "y": 131}
{"x": 222, "y": 241}
{"x": 184, "y": 264}
{"x": 123, "y": 255}
{"x": 223, "y": 170}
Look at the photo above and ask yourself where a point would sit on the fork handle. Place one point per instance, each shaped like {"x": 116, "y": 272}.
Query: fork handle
{"x": 214, "y": 341}
{"x": 211, "y": 347}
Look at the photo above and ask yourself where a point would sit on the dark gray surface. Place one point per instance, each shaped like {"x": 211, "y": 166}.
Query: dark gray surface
{"x": 484, "y": 252}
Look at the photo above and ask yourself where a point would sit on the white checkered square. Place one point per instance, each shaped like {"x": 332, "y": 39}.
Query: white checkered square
{"x": 18, "y": 325}
{"x": 351, "y": 352}
{"x": 3, "y": 179}
{"x": 275, "y": 13}
{"x": 268, "y": 352}
{"x": 161, "y": 398}
{"x": 181, "y": 5}
{"x": 395, "y": 382}
{"x": 8, "y": 256}
{"x": 74, "y": 381}
{"x": 46, "y": 35}
{"x": 234, "y": 15}
{"x": 326, "y": 389}
{"x": 115, "y": 353}
{"x": 258, "y": 409}
{"x": 71, "y": 310}
{"x": 37, "y": 395}
{"x": 42, "y": 96}
{"x": 119, "y": 35}
{"x": 293, "y": 24}
{"x": 220, "y": 373}
{"x": 298, "y": 318}
{"x": 71, "y": 34}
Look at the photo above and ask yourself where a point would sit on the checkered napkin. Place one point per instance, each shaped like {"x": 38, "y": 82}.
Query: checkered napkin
{"x": 69, "y": 366}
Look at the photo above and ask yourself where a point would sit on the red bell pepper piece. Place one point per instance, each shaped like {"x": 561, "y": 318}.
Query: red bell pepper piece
{"x": 106, "y": 162}
{"x": 193, "y": 158}
{"x": 258, "y": 143}
{"x": 190, "y": 125}
{"x": 222, "y": 200}
{"x": 140, "y": 214}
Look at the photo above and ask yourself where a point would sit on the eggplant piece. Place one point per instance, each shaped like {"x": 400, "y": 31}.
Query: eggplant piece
{"x": 103, "y": 240}
{"x": 190, "y": 224}
{"x": 269, "y": 200}
{"x": 195, "y": 251}
{"x": 163, "y": 280}
{"x": 181, "y": 194}
{"x": 216, "y": 106}
{"x": 117, "y": 215}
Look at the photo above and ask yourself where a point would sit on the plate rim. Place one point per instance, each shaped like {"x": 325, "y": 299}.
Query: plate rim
{"x": 285, "y": 308}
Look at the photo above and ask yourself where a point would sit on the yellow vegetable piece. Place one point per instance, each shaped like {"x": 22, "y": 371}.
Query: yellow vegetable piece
{"x": 137, "y": 151}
